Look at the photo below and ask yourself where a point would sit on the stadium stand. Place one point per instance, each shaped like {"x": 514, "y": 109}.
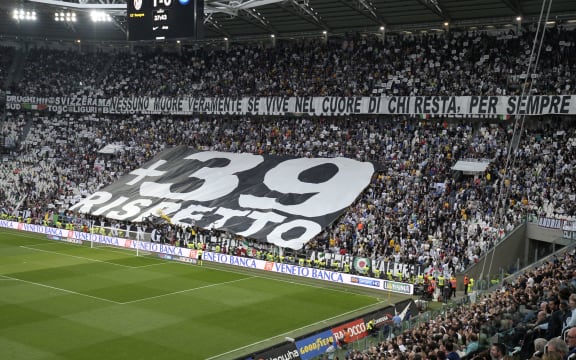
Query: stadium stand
{"x": 414, "y": 200}
{"x": 506, "y": 316}
{"x": 412, "y": 155}
{"x": 471, "y": 63}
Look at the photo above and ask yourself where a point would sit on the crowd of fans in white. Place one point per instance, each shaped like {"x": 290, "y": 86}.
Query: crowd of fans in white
{"x": 416, "y": 210}
{"x": 472, "y": 63}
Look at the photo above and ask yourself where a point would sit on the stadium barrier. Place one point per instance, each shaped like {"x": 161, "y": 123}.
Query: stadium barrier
{"x": 314, "y": 345}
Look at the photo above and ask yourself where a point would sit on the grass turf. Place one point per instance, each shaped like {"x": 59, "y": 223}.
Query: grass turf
{"x": 65, "y": 301}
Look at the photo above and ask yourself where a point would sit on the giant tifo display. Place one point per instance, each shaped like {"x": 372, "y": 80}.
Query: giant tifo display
{"x": 280, "y": 200}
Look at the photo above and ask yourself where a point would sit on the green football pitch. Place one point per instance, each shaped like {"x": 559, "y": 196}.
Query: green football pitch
{"x": 66, "y": 301}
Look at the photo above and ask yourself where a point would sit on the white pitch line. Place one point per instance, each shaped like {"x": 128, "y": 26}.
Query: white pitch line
{"x": 123, "y": 251}
{"x": 77, "y": 257}
{"x": 163, "y": 262}
{"x": 287, "y": 333}
{"x": 60, "y": 289}
{"x": 187, "y": 290}
{"x": 159, "y": 261}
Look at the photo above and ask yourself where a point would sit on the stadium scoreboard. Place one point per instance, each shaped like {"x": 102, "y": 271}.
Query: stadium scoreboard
{"x": 165, "y": 19}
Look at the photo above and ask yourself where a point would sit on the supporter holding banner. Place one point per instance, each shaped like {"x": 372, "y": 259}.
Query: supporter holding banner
{"x": 362, "y": 265}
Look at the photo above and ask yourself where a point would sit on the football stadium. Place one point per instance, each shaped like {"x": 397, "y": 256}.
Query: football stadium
{"x": 288, "y": 179}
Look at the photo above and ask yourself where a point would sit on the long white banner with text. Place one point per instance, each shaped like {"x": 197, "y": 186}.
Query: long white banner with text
{"x": 319, "y": 105}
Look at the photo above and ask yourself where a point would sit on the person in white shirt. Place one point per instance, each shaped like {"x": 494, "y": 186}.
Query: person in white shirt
{"x": 530, "y": 281}
{"x": 330, "y": 350}
{"x": 140, "y": 231}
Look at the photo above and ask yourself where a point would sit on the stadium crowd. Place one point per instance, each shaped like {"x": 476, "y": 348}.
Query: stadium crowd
{"x": 531, "y": 317}
{"x": 464, "y": 63}
{"x": 416, "y": 210}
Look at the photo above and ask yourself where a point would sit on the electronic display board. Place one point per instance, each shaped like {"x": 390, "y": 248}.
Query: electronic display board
{"x": 165, "y": 19}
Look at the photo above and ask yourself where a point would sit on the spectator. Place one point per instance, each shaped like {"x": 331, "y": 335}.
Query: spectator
{"x": 571, "y": 342}
{"x": 330, "y": 351}
{"x": 557, "y": 345}
{"x": 498, "y": 351}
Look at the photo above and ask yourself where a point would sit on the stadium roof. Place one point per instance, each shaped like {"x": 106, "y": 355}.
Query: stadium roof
{"x": 259, "y": 19}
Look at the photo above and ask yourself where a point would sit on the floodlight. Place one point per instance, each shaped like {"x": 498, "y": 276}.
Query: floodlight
{"x": 20, "y": 14}
{"x": 67, "y": 17}
{"x": 100, "y": 16}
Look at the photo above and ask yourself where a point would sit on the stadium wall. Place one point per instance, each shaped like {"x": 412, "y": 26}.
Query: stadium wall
{"x": 314, "y": 345}
{"x": 543, "y": 231}
{"x": 546, "y": 236}
{"x": 528, "y": 243}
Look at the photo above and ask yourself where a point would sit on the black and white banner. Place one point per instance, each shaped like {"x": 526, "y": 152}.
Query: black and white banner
{"x": 284, "y": 201}
{"x": 425, "y": 106}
